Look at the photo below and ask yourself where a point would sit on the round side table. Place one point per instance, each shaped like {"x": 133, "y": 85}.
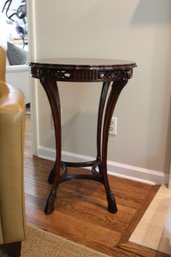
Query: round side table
{"x": 114, "y": 75}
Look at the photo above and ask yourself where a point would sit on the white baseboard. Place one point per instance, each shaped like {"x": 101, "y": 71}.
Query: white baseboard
{"x": 114, "y": 168}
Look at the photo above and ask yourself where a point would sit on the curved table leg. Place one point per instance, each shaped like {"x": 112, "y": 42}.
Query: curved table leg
{"x": 52, "y": 175}
{"x": 51, "y": 89}
{"x": 102, "y": 102}
{"x": 116, "y": 89}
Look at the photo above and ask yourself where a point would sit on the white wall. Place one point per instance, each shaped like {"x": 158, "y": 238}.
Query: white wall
{"x": 133, "y": 30}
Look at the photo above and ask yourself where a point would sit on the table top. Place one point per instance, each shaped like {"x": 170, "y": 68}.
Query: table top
{"x": 82, "y": 63}
{"x": 81, "y": 69}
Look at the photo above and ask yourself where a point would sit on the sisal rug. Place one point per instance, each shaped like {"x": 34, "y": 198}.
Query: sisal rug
{"x": 150, "y": 231}
{"x": 44, "y": 244}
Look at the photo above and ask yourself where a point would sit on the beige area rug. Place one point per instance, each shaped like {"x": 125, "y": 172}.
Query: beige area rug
{"x": 150, "y": 231}
{"x": 44, "y": 244}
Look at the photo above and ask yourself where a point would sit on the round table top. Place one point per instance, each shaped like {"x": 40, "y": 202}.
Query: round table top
{"x": 82, "y": 63}
{"x": 81, "y": 69}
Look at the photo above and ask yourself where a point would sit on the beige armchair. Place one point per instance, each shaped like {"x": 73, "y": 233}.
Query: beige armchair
{"x": 12, "y": 211}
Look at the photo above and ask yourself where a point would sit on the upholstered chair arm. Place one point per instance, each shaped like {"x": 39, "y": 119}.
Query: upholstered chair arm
{"x": 12, "y": 211}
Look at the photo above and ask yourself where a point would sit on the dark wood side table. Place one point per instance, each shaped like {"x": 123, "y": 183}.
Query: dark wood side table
{"x": 114, "y": 75}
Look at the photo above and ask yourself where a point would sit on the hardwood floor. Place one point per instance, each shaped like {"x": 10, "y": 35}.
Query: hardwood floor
{"x": 81, "y": 214}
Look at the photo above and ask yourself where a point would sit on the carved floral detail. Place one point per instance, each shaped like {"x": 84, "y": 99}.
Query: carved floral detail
{"x": 115, "y": 74}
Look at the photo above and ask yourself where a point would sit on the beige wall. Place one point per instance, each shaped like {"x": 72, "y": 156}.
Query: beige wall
{"x": 133, "y": 30}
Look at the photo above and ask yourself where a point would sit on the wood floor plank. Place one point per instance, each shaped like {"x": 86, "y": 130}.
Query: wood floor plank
{"x": 81, "y": 209}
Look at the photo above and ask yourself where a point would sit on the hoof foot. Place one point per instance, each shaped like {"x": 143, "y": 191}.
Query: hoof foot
{"x": 49, "y": 208}
{"x": 111, "y": 203}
